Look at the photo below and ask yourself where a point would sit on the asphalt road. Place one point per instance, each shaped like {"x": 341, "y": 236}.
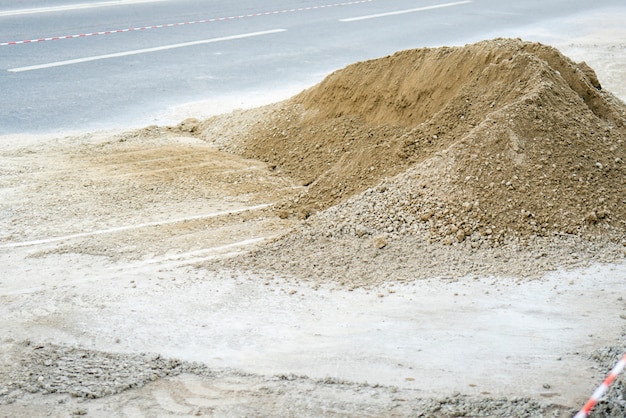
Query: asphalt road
{"x": 116, "y": 64}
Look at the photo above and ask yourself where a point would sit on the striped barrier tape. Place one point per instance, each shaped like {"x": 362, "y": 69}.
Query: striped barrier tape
{"x": 602, "y": 389}
{"x": 194, "y": 22}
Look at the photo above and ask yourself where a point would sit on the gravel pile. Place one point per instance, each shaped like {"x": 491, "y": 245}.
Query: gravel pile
{"x": 85, "y": 373}
{"x": 499, "y": 158}
{"x": 353, "y": 245}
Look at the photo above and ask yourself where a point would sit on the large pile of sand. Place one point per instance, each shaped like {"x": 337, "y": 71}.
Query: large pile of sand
{"x": 498, "y": 142}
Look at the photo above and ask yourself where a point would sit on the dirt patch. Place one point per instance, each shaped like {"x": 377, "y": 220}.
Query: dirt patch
{"x": 118, "y": 195}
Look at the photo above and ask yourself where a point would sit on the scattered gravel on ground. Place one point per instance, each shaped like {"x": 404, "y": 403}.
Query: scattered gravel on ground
{"x": 83, "y": 373}
{"x": 47, "y": 368}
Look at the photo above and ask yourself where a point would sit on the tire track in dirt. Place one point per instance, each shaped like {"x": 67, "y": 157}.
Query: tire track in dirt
{"x": 135, "y": 197}
{"x": 131, "y": 227}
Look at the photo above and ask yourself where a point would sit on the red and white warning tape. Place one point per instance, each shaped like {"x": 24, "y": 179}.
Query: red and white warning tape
{"x": 169, "y": 25}
{"x": 602, "y": 389}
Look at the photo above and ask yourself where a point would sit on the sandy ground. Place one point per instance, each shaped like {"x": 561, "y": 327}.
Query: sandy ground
{"x": 100, "y": 236}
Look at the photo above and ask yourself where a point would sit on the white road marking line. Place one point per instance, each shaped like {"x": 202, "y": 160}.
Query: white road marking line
{"x": 143, "y": 51}
{"x": 194, "y": 22}
{"x": 130, "y": 227}
{"x": 399, "y": 12}
{"x": 78, "y": 6}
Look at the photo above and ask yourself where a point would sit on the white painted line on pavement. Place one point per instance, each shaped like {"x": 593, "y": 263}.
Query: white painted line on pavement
{"x": 400, "y": 12}
{"x": 143, "y": 51}
{"x": 135, "y": 226}
{"x": 191, "y": 22}
{"x": 78, "y": 6}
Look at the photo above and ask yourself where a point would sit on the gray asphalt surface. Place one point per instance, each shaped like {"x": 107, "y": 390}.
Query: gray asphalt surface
{"x": 240, "y": 55}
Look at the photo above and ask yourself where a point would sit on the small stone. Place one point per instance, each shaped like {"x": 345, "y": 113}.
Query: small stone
{"x": 427, "y": 215}
{"x": 591, "y": 218}
{"x": 379, "y": 243}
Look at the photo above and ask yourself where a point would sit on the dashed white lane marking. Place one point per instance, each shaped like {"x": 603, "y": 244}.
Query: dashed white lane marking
{"x": 78, "y": 6}
{"x": 143, "y": 51}
{"x": 130, "y": 227}
{"x": 399, "y": 12}
{"x": 169, "y": 25}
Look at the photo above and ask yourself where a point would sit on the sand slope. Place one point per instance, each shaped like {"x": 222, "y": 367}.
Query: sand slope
{"x": 524, "y": 137}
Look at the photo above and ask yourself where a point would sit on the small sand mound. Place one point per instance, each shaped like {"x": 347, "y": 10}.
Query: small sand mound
{"x": 502, "y": 141}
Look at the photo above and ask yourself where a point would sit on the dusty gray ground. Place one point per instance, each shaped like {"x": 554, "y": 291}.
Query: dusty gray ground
{"x": 107, "y": 309}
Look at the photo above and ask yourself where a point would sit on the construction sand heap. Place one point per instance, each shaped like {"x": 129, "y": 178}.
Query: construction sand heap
{"x": 496, "y": 143}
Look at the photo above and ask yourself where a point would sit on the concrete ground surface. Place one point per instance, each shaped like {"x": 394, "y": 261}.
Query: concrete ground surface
{"x": 99, "y": 243}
